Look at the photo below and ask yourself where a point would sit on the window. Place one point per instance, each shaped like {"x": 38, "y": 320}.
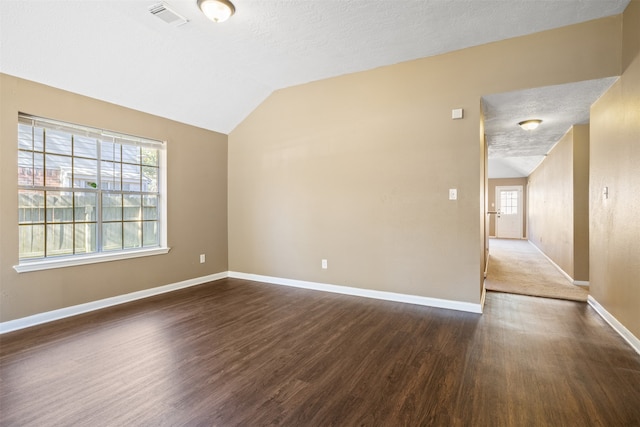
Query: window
{"x": 509, "y": 202}
{"x": 87, "y": 195}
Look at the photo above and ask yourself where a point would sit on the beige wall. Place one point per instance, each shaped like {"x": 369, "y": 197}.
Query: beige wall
{"x": 615, "y": 160}
{"x": 551, "y": 204}
{"x": 558, "y": 209}
{"x": 581, "y": 202}
{"x": 197, "y": 211}
{"x": 491, "y": 195}
{"x": 356, "y": 169}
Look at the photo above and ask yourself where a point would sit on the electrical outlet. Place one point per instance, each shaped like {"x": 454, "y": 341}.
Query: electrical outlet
{"x": 453, "y": 194}
{"x": 202, "y": 259}
{"x": 325, "y": 265}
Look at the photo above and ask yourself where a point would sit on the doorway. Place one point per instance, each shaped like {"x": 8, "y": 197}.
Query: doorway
{"x": 509, "y": 206}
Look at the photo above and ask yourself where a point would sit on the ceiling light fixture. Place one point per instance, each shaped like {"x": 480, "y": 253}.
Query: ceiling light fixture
{"x": 530, "y": 124}
{"x": 217, "y": 10}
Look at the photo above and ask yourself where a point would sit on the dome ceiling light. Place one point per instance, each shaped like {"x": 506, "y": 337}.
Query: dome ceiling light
{"x": 217, "y": 10}
{"x": 530, "y": 124}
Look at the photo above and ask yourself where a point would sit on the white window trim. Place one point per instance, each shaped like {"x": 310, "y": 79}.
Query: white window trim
{"x": 26, "y": 266}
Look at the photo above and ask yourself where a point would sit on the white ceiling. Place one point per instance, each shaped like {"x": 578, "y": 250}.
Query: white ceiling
{"x": 514, "y": 152}
{"x": 213, "y": 75}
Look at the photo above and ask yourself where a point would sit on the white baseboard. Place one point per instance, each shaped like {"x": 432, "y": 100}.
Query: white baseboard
{"x": 615, "y": 324}
{"x": 564, "y": 273}
{"x": 49, "y": 316}
{"x": 367, "y": 293}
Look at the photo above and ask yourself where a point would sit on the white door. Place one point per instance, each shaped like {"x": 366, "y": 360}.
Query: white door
{"x": 509, "y": 207}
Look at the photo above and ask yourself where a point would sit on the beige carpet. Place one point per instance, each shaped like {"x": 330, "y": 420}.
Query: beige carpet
{"x": 517, "y": 267}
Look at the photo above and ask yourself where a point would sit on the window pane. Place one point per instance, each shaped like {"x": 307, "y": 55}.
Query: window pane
{"x": 85, "y": 173}
{"x": 58, "y": 173}
{"x": 31, "y": 241}
{"x": 85, "y": 147}
{"x": 149, "y": 179}
{"x": 110, "y": 151}
{"x": 149, "y": 156}
{"x": 132, "y": 234}
{"x": 25, "y": 137}
{"x": 25, "y": 168}
{"x": 509, "y": 202}
{"x": 59, "y": 207}
{"x": 111, "y": 175}
{"x": 38, "y": 169}
{"x": 150, "y": 207}
{"x": 132, "y": 207}
{"x": 112, "y": 207}
{"x": 59, "y": 239}
{"x": 30, "y": 207}
{"x": 150, "y": 233}
{"x": 86, "y": 207}
{"x": 85, "y": 238}
{"x": 130, "y": 177}
{"x": 58, "y": 142}
{"x": 38, "y": 139}
{"x": 112, "y": 236}
{"x": 131, "y": 154}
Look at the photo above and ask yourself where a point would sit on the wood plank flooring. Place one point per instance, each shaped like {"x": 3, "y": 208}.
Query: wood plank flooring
{"x": 240, "y": 353}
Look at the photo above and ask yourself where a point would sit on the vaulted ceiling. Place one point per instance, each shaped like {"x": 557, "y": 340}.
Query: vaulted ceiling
{"x": 213, "y": 75}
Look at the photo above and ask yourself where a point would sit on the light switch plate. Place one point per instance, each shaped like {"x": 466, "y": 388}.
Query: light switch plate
{"x": 453, "y": 194}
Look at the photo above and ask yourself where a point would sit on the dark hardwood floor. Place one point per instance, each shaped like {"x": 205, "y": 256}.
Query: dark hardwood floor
{"x": 235, "y": 352}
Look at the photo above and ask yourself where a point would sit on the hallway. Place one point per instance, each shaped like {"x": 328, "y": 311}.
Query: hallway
{"x": 517, "y": 267}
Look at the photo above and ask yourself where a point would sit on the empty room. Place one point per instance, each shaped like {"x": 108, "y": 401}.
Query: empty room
{"x": 301, "y": 213}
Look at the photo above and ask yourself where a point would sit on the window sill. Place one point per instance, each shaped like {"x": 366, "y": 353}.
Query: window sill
{"x": 27, "y": 266}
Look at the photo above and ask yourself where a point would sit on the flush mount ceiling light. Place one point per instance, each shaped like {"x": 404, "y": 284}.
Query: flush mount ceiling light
{"x": 217, "y": 10}
{"x": 530, "y": 124}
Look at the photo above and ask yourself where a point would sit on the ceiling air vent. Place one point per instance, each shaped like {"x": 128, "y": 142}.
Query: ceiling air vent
{"x": 164, "y": 12}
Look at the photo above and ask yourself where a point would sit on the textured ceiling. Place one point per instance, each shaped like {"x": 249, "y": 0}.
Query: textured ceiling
{"x": 213, "y": 75}
{"x": 514, "y": 152}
